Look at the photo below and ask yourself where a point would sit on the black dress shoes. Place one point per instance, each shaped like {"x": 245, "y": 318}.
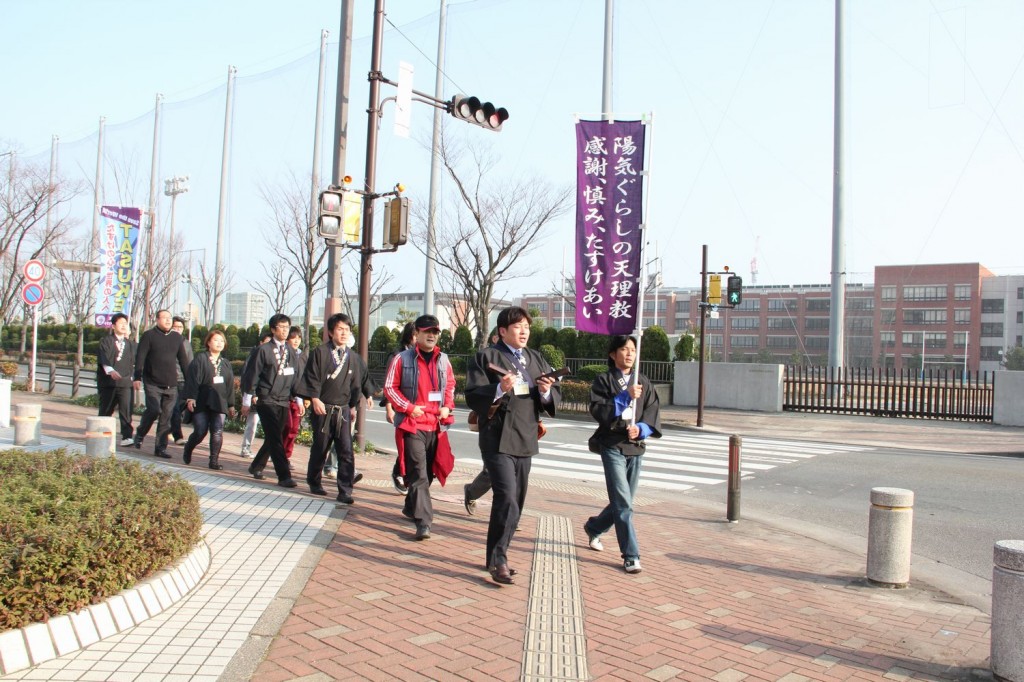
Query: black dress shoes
{"x": 511, "y": 571}
{"x": 162, "y": 454}
{"x": 344, "y": 499}
{"x": 256, "y": 473}
{"x": 317, "y": 489}
{"x": 288, "y": 483}
{"x": 502, "y": 575}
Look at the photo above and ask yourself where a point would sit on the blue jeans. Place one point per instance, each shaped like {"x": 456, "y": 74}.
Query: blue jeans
{"x": 621, "y": 476}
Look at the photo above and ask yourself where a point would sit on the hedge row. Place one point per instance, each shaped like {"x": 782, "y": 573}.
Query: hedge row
{"x": 75, "y": 530}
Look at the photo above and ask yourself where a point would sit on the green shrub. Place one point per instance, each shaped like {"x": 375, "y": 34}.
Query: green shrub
{"x": 555, "y": 357}
{"x": 577, "y": 392}
{"x": 589, "y": 372}
{"x": 382, "y": 341}
{"x": 685, "y": 349}
{"x": 654, "y": 345}
{"x": 8, "y": 369}
{"x": 75, "y": 530}
{"x": 462, "y": 343}
{"x": 92, "y": 400}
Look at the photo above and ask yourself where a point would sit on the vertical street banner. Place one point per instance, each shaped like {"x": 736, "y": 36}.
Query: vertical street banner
{"x": 118, "y": 261}
{"x": 609, "y": 213}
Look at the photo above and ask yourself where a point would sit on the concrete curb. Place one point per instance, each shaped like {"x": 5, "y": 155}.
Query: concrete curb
{"x": 39, "y": 642}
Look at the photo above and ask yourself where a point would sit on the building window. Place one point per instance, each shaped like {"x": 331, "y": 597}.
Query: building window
{"x": 683, "y": 306}
{"x": 745, "y": 323}
{"x": 715, "y": 340}
{"x": 962, "y": 316}
{"x": 781, "y": 323}
{"x": 816, "y": 323}
{"x": 743, "y": 341}
{"x": 959, "y": 340}
{"x": 649, "y": 305}
{"x": 818, "y": 304}
{"x": 860, "y": 324}
{"x": 782, "y": 342}
{"x": 887, "y": 339}
{"x": 1020, "y": 316}
{"x": 889, "y": 293}
{"x": 925, "y": 316}
{"x": 816, "y": 342}
{"x": 777, "y": 304}
{"x": 962, "y": 292}
{"x": 860, "y": 303}
{"x": 750, "y": 304}
{"x": 713, "y": 323}
{"x": 1020, "y": 292}
{"x": 991, "y": 305}
{"x": 991, "y": 353}
{"x": 992, "y": 330}
{"x": 928, "y": 293}
{"x": 888, "y": 316}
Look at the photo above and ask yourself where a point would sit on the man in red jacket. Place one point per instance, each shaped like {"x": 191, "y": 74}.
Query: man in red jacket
{"x": 420, "y": 385}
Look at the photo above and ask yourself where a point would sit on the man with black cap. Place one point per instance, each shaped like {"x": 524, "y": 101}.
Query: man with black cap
{"x": 420, "y": 385}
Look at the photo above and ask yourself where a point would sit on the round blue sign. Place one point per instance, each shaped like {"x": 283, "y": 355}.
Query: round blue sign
{"x": 32, "y": 294}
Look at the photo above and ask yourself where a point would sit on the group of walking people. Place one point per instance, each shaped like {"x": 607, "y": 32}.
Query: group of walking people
{"x": 509, "y": 388}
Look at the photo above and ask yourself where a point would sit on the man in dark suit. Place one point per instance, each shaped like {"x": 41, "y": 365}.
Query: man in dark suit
{"x": 115, "y": 367}
{"x": 505, "y": 387}
{"x": 270, "y": 377}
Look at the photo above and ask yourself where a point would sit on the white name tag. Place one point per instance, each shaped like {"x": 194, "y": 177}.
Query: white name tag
{"x": 521, "y": 387}
{"x": 218, "y": 380}
{"x": 434, "y": 396}
{"x": 288, "y": 371}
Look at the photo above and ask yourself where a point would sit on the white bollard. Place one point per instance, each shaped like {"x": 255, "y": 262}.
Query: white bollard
{"x": 99, "y": 436}
{"x": 5, "y": 403}
{"x": 890, "y": 526}
{"x": 1008, "y": 611}
{"x": 28, "y": 424}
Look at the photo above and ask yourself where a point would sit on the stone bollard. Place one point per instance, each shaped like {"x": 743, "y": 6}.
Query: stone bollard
{"x": 5, "y": 403}
{"x": 99, "y": 436}
{"x": 28, "y": 424}
{"x": 1008, "y": 611}
{"x": 890, "y": 525}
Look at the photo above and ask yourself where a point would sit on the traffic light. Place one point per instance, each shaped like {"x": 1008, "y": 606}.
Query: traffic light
{"x": 483, "y": 114}
{"x": 396, "y": 222}
{"x": 340, "y": 216}
{"x": 734, "y": 290}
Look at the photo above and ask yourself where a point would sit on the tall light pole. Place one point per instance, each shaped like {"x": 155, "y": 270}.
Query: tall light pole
{"x": 222, "y": 212}
{"x": 172, "y": 188}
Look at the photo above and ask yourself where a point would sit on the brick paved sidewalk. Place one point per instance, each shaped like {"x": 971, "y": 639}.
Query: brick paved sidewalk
{"x": 715, "y": 601}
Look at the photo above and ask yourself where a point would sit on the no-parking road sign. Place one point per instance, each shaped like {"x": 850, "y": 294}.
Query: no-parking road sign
{"x": 32, "y": 294}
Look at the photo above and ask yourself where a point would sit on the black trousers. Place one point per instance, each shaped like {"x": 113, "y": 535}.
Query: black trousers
{"x": 159, "y": 405}
{"x": 420, "y": 449}
{"x": 333, "y": 428}
{"x": 480, "y": 485}
{"x": 510, "y": 477}
{"x": 275, "y": 420}
{"x": 176, "y": 432}
{"x": 122, "y": 397}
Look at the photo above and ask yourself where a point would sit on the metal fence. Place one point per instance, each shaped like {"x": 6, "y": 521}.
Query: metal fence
{"x": 937, "y": 394}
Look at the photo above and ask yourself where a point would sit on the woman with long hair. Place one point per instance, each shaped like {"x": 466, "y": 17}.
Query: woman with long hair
{"x": 209, "y": 395}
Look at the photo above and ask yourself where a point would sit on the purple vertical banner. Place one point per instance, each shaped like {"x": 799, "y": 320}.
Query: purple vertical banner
{"x": 118, "y": 260}
{"x": 609, "y": 212}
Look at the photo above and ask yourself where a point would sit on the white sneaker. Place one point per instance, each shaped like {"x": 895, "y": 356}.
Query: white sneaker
{"x": 330, "y": 473}
{"x": 179, "y": 441}
{"x": 128, "y": 441}
{"x": 632, "y": 566}
{"x": 245, "y": 455}
{"x": 594, "y": 541}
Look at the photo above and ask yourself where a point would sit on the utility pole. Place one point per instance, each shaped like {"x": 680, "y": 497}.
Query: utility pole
{"x": 314, "y": 202}
{"x": 333, "y": 303}
{"x": 172, "y": 188}
{"x": 369, "y": 178}
{"x": 222, "y": 212}
{"x": 837, "y": 314}
{"x": 435, "y": 167}
{"x": 153, "y": 203}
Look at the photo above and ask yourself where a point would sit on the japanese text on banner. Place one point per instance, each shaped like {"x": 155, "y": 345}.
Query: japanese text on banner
{"x": 118, "y": 261}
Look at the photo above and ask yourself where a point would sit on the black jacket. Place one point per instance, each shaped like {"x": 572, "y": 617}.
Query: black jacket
{"x": 611, "y": 430}
{"x": 200, "y": 385}
{"x": 346, "y": 387}
{"x": 512, "y": 430}
{"x": 107, "y": 357}
{"x": 262, "y": 379}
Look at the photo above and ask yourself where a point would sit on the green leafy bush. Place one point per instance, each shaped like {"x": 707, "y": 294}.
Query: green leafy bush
{"x": 554, "y": 356}
{"x": 8, "y": 369}
{"x": 587, "y": 373}
{"x": 75, "y": 530}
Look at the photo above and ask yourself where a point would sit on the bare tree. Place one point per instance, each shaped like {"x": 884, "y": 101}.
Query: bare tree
{"x": 25, "y": 194}
{"x": 489, "y": 228}
{"x": 205, "y": 289}
{"x": 350, "y": 283}
{"x": 277, "y": 286}
{"x": 72, "y": 290}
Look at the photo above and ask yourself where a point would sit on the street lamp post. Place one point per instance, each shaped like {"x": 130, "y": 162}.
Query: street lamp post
{"x": 186, "y": 278}
{"x": 172, "y": 188}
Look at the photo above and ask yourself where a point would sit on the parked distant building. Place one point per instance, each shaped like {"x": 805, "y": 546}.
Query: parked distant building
{"x": 244, "y": 308}
{"x": 955, "y": 315}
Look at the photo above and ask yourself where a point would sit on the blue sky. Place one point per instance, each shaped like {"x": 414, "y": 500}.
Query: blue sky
{"x": 740, "y": 90}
